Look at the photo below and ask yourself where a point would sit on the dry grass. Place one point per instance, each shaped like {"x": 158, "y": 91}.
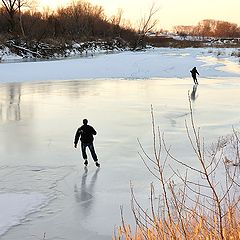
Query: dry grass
{"x": 195, "y": 226}
{"x": 207, "y": 208}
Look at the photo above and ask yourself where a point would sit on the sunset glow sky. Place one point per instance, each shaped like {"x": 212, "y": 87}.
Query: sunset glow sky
{"x": 171, "y": 12}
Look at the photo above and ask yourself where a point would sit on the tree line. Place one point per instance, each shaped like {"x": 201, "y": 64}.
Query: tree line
{"x": 210, "y": 28}
{"x": 80, "y": 20}
{"x": 83, "y": 21}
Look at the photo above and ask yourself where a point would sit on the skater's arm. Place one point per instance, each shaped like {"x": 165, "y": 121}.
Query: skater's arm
{"x": 93, "y": 131}
{"x": 77, "y": 135}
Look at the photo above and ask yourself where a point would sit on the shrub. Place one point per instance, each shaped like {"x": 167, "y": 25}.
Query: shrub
{"x": 202, "y": 208}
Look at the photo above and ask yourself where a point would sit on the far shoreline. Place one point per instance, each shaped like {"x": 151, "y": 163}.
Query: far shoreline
{"x": 151, "y": 63}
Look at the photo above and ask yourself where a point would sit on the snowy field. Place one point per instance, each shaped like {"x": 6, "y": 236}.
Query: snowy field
{"x": 45, "y": 192}
{"x": 153, "y": 63}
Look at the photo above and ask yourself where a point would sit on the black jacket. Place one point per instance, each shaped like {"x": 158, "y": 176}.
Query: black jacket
{"x": 85, "y": 132}
{"x": 194, "y": 72}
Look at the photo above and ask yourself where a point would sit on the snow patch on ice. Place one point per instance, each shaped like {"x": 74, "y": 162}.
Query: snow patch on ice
{"x": 27, "y": 190}
{"x": 14, "y": 207}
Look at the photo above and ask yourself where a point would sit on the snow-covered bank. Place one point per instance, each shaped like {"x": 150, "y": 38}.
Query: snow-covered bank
{"x": 153, "y": 63}
{"x": 21, "y": 50}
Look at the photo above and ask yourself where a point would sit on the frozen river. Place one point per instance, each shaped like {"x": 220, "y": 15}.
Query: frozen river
{"x": 45, "y": 190}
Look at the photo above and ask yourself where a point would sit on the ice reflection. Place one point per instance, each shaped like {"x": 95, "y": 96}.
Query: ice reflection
{"x": 44, "y": 115}
{"x": 17, "y": 101}
{"x": 193, "y": 93}
{"x": 84, "y": 193}
{"x": 10, "y": 99}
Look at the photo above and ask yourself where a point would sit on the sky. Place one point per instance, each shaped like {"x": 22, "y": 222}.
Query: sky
{"x": 170, "y": 13}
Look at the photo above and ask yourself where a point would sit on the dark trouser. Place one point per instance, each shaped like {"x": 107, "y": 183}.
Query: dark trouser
{"x": 91, "y": 148}
{"x": 195, "y": 79}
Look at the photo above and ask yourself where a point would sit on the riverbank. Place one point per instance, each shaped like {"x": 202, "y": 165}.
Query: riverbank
{"x": 152, "y": 63}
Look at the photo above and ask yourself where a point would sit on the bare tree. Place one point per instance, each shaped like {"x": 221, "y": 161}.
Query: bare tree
{"x": 210, "y": 28}
{"x": 23, "y": 5}
{"x": 117, "y": 19}
{"x": 183, "y": 30}
{"x": 147, "y": 24}
{"x": 14, "y": 7}
{"x": 20, "y": 4}
{"x": 11, "y": 8}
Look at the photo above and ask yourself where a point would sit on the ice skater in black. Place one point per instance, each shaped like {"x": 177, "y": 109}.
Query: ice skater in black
{"x": 194, "y": 73}
{"x": 85, "y": 133}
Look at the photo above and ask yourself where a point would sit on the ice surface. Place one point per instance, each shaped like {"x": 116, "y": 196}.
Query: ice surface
{"x": 38, "y": 121}
{"x": 16, "y": 206}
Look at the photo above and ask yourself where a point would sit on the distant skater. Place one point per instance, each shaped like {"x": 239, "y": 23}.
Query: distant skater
{"x": 85, "y": 133}
{"x": 194, "y": 73}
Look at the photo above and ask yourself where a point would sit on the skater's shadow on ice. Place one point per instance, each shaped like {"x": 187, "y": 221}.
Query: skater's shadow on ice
{"x": 174, "y": 116}
{"x": 194, "y": 92}
{"x": 84, "y": 193}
